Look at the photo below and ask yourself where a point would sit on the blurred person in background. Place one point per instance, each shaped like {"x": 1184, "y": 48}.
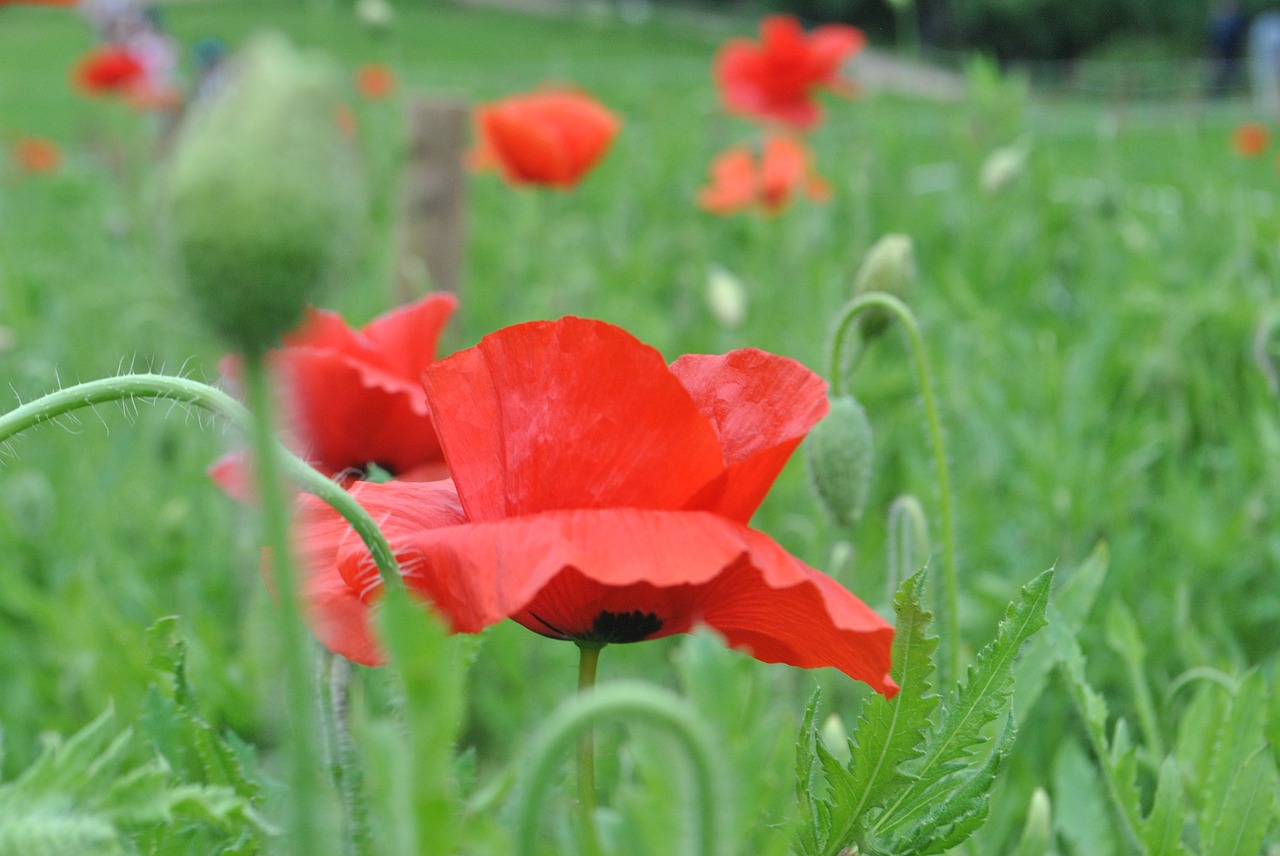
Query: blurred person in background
{"x": 1228, "y": 29}
{"x": 1264, "y": 61}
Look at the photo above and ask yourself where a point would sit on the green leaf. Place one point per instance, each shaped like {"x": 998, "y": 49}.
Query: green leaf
{"x": 82, "y": 796}
{"x": 1162, "y": 829}
{"x": 1115, "y": 766}
{"x": 1073, "y": 599}
{"x": 1081, "y": 813}
{"x": 1239, "y": 799}
{"x": 968, "y": 709}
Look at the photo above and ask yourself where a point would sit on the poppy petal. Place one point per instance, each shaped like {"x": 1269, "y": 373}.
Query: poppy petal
{"x": 830, "y": 46}
{"x": 642, "y": 574}
{"x": 762, "y": 405}
{"x": 344, "y": 420}
{"x": 573, "y": 413}
{"x": 338, "y": 614}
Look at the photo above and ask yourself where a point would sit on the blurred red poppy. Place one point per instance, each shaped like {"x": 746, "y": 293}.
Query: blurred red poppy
{"x": 551, "y": 138}
{"x": 602, "y": 496}
{"x": 345, "y": 118}
{"x": 1250, "y": 139}
{"x": 108, "y": 70}
{"x": 37, "y": 155}
{"x": 353, "y": 399}
{"x": 375, "y": 81}
{"x": 776, "y": 79}
{"x": 740, "y": 181}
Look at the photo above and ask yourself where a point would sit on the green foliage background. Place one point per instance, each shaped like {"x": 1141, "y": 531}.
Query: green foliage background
{"x": 1092, "y": 331}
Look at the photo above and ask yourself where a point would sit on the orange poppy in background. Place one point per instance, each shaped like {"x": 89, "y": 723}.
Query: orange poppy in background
{"x": 36, "y": 155}
{"x": 375, "y": 81}
{"x": 602, "y": 496}
{"x": 741, "y": 181}
{"x": 776, "y": 79}
{"x": 1250, "y": 139}
{"x": 551, "y": 138}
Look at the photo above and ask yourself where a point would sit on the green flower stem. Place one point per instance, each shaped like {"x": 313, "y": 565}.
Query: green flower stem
{"x": 624, "y": 700}
{"x": 588, "y": 660}
{"x": 306, "y": 820}
{"x": 848, "y": 315}
{"x": 48, "y": 408}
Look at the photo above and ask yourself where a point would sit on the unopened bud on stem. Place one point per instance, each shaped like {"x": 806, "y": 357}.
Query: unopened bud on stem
{"x": 889, "y": 267}
{"x": 263, "y": 198}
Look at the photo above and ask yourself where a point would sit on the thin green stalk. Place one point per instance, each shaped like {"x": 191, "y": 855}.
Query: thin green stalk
{"x": 132, "y": 387}
{"x": 306, "y": 816}
{"x": 921, "y": 358}
{"x": 588, "y": 660}
{"x": 628, "y": 701}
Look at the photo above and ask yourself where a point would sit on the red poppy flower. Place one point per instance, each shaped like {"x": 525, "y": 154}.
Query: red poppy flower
{"x": 776, "y": 79}
{"x": 1250, "y": 139}
{"x": 375, "y": 81}
{"x": 109, "y": 69}
{"x": 740, "y": 181}
{"x": 37, "y": 155}
{"x": 551, "y": 138}
{"x": 354, "y": 398}
{"x": 601, "y": 495}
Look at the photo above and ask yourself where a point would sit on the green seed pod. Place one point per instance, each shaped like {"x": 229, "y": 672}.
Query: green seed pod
{"x": 263, "y": 195}
{"x": 889, "y": 267}
{"x": 839, "y": 454}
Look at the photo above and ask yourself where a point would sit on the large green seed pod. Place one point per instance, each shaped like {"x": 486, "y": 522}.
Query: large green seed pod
{"x": 263, "y": 198}
{"x": 889, "y": 267}
{"x": 839, "y": 453}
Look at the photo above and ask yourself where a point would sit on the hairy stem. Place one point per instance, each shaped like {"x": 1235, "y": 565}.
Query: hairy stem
{"x": 306, "y": 818}
{"x": 625, "y": 700}
{"x": 130, "y": 387}
{"x": 904, "y": 314}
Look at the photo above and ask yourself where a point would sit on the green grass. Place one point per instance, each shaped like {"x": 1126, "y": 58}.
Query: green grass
{"x": 1091, "y": 332}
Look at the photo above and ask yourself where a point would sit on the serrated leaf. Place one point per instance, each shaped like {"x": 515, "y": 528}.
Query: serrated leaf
{"x": 1239, "y": 799}
{"x": 890, "y": 733}
{"x": 948, "y": 816}
{"x": 1073, "y": 599}
{"x": 968, "y": 709}
{"x": 1162, "y": 829}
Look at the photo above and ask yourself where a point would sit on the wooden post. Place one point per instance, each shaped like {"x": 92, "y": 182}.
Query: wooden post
{"x": 432, "y": 240}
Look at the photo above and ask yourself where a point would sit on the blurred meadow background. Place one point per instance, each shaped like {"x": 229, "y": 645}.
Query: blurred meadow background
{"x": 1101, "y": 327}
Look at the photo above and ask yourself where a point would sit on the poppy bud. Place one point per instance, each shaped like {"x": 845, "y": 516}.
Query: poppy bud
{"x": 839, "y": 453}
{"x": 263, "y": 195}
{"x": 1003, "y": 167}
{"x": 1036, "y": 833}
{"x": 726, "y": 298}
{"x": 889, "y": 267}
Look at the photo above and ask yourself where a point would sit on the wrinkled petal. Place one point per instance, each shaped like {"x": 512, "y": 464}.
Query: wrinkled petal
{"x": 342, "y": 421}
{"x": 568, "y": 414}
{"x": 338, "y": 614}
{"x": 641, "y": 574}
{"x": 762, "y": 405}
{"x": 392, "y": 350}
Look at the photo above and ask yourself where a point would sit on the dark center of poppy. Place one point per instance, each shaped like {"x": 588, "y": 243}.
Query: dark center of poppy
{"x": 616, "y": 627}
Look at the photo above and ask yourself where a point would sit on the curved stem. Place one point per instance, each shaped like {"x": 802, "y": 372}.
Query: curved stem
{"x": 624, "y": 700}
{"x": 588, "y": 660}
{"x": 306, "y": 821}
{"x": 904, "y": 314}
{"x": 129, "y": 387}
